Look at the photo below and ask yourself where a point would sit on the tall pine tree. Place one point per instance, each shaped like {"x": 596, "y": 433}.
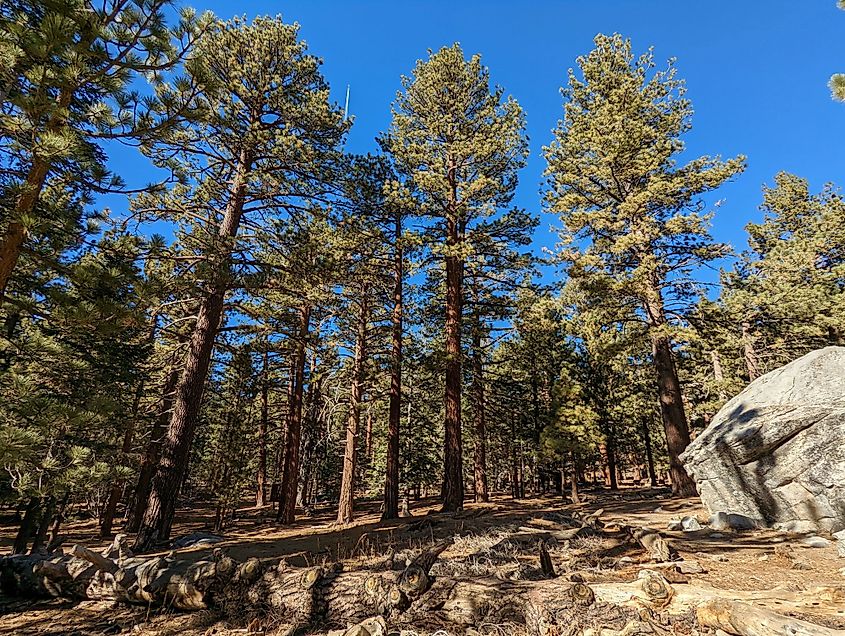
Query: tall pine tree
{"x": 634, "y": 223}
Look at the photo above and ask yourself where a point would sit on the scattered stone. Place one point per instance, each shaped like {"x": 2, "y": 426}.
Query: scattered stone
{"x": 690, "y": 524}
{"x": 776, "y": 451}
{"x": 801, "y": 564}
{"x": 690, "y": 567}
{"x": 675, "y": 525}
{"x": 659, "y": 509}
{"x": 717, "y": 535}
{"x": 763, "y": 557}
{"x": 796, "y": 527}
{"x": 370, "y": 627}
{"x": 840, "y": 542}
{"x": 197, "y": 538}
{"x": 732, "y": 521}
{"x": 814, "y": 541}
{"x": 625, "y": 560}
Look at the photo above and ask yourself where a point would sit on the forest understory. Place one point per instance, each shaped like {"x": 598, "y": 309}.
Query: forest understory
{"x": 602, "y": 575}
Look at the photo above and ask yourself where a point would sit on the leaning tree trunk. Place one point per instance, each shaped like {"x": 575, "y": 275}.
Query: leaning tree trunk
{"x": 480, "y": 454}
{"x": 353, "y": 422}
{"x": 290, "y": 473}
{"x": 671, "y": 399}
{"x": 391, "y": 477}
{"x": 453, "y": 481}
{"x": 12, "y": 243}
{"x": 161, "y": 504}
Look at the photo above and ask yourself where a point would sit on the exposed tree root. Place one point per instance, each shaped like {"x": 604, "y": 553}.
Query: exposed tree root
{"x": 256, "y": 593}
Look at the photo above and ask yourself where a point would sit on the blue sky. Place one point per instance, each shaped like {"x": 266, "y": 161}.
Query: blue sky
{"x": 756, "y": 72}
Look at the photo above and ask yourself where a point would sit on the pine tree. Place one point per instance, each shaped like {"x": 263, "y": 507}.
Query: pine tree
{"x": 267, "y": 131}
{"x": 70, "y": 381}
{"x": 69, "y": 86}
{"x": 633, "y": 224}
{"x": 784, "y": 298}
{"x": 460, "y": 145}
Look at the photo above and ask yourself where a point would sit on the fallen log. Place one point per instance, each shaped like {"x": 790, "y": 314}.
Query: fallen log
{"x": 254, "y": 592}
{"x": 742, "y": 619}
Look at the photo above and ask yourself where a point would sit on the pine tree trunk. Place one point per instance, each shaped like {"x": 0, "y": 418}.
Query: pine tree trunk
{"x": 652, "y": 474}
{"x": 674, "y": 418}
{"x": 290, "y": 473}
{"x": 669, "y": 392}
{"x": 453, "y": 482}
{"x": 347, "y": 483}
{"x": 514, "y": 465}
{"x": 12, "y": 243}
{"x": 149, "y": 462}
{"x": 573, "y": 493}
{"x": 26, "y": 525}
{"x": 176, "y": 448}
{"x": 39, "y": 543}
{"x": 752, "y": 364}
{"x": 480, "y": 455}
{"x": 610, "y": 466}
{"x": 261, "y": 473}
{"x": 391, "y": 477}
{"x": 368, "y": 435}
{"x": 116, "y": 490}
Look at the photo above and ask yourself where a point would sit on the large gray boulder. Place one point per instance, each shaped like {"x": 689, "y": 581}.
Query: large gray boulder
{"x": 776, "y": 452}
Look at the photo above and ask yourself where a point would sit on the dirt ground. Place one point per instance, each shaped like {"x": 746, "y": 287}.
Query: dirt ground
{"x": 757, "y": 560}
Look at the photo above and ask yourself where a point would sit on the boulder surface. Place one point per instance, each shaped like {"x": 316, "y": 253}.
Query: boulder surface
{"x": 776, "y": 451}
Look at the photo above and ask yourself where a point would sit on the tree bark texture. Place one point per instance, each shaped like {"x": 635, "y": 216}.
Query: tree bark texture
{"x": 353, "y": 421}
{"x": 290, "y": 473}
{"x": 391, "y": 477}
{"x": 671, "y": 399}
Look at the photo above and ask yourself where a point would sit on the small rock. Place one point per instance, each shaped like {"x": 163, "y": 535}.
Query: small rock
{"x": 800, "y": 526}
{"x": 814, "y": 541}
{"x": 842, "y": 571}
{"x": 840, "y": 542}
{"x": 196, "y": 538}
{"x": 801, "y": 564}
{"x": 625, "y": 560}
{"x": 763, "y": 557}
{"x": 674, "y": 525}
{"x": 719, "y": 557}
{"x": 717, "y": 535}
{"x": 732, "y": 521}
{"x": 659, "y": 509}
{"x": 690, "y": 524}
{"x": 690, "y": 567}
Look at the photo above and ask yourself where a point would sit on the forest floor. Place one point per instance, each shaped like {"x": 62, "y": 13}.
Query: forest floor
{"x": 755, "y": 560}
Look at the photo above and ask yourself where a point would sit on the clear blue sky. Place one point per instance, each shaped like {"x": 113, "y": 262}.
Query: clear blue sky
{"x": 756, "y": 71}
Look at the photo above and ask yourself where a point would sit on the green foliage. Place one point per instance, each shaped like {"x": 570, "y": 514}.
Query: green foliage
{"x": 788, "y": 287}
{"x": 70, "y": 374}
{"x": 633, "y": 221}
